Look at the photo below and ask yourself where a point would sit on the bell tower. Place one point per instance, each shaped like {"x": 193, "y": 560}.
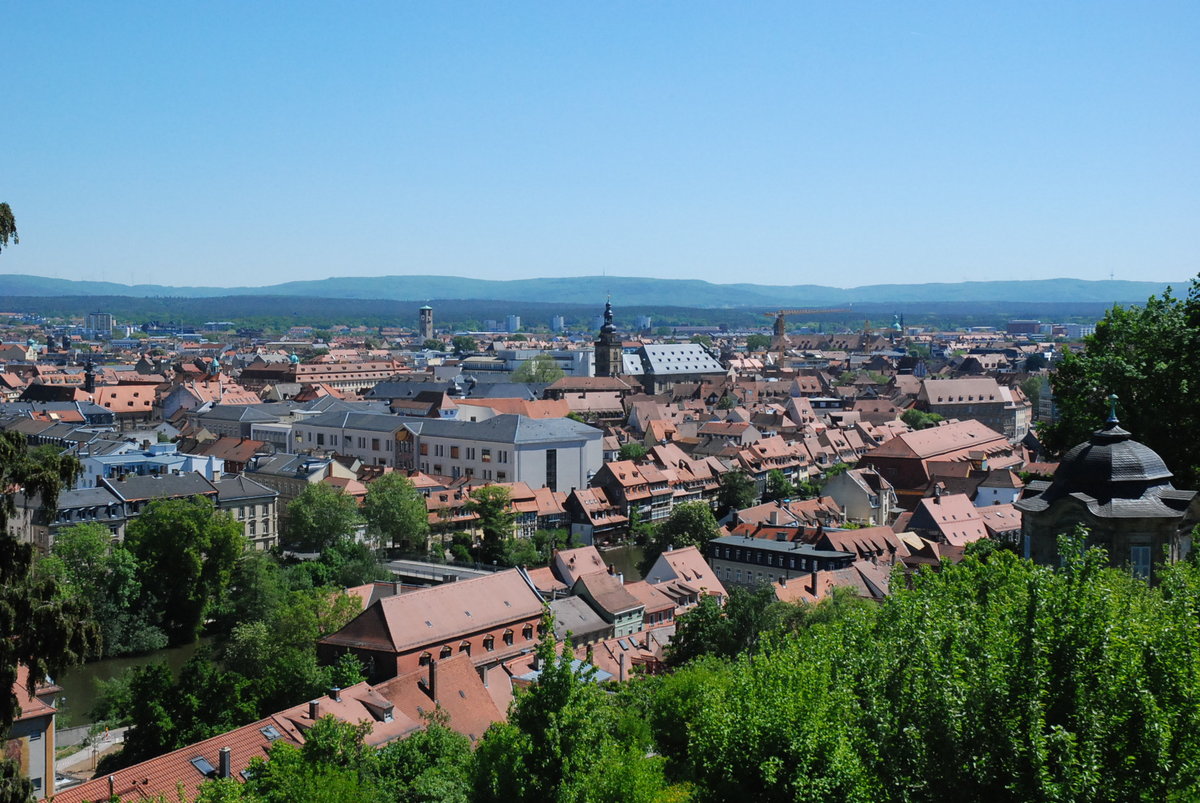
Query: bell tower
{"x": 608, "y": 346}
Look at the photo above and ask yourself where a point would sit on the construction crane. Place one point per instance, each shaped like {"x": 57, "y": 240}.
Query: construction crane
{"x": 780, "y": 316}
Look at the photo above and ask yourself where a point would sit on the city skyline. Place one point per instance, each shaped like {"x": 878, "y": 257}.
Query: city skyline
{"x": 776, "y": 144}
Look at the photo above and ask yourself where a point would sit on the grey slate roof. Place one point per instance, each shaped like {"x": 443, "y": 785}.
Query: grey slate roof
{"x": 671, "y": 358}
{"x": 575, "y": 615}
{"x": 515, "y": 429}
{"x": 376, "y": 422}
{"x": 283, "y": 464}
{"x": 160, "y": 486}
{"x": 238, "y": 412}
{"x": 788, "y": 547}
{"x": 237, "y": 486}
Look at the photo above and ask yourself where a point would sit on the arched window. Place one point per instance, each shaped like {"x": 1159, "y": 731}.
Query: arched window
{"x": 489, "y": 642}
{"x": 527, "y": 632}
{"x": 508, "y": 637}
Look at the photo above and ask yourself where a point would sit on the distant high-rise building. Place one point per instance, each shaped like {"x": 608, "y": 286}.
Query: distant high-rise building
{"x": 643, "y": 322}
{"x": 557, "y": 323}
{"x": 491, "y": 325}
{"x": 512, "y": 323}
{"x": 426, "y": 326}
{"x": 100, "y": 322}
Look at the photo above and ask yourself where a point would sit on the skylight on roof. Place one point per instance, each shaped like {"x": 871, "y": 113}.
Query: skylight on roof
{"x": 201, "y": 764}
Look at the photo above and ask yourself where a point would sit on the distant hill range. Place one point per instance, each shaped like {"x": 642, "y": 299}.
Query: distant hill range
{"x": 625, "y": 290}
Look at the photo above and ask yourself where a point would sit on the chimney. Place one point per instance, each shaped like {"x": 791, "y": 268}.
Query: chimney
{"x": 112, "y": 782}
{"x": 813, "y": 579}
{"x": 783, "y": 582}
{"x": 224, "y": 763}
{"x": 432, "y": 686}
{"x": 621, "y": 578}
{"x": 621, "y": 667}
{"x": 314, "y": 710}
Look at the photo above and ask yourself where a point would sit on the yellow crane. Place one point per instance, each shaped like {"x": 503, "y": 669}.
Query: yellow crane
{"x": 780, "y": 316}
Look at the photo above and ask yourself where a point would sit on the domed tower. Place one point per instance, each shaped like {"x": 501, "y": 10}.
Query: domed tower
{"x": 608, "y": 346}
{"x": 1121, "y": 491}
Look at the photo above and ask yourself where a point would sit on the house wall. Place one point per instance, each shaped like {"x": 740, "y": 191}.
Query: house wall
{"x": 31, "y": 743}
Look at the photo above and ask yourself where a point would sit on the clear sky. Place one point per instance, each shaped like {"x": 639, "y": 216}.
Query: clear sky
{"x": 841, "y": 143}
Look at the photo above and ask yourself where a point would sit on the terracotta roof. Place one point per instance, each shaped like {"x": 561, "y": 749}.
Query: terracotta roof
{"x": 608, "y": 592}
{"x": 441, "y": 613}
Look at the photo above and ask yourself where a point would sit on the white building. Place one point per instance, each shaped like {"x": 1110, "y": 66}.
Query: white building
{"x": 556, "y": 453}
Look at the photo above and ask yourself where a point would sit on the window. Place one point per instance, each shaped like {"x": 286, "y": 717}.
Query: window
{"x": 362, "y": 443}
{"x": 508, "y": 637}
{"x": 527, "y": 632}
{"x": 470, "y": 452}
{"x": 487, "y": 473}
{"x": 489, "y": 643}
{"x": 333, "y": 440}
{"x": 446, "y": 652}
{"x": 425, "y": 659}
{"x": 1139, "y": 561}
{"x": 374, "y": 444}
{"x": 454, "y": 451}
{"x": 502, "y": 475}
{"x": 485, "y": 455}
{"x": 253, "y": 528}
{"x": 502, "y": 456}
{"x": 439, "y": 450}
{"x": 425, "y": 448}
{"x": 320, "y": 439}
{"x": 465, "y": 647}
{"x": 552, "y": 469}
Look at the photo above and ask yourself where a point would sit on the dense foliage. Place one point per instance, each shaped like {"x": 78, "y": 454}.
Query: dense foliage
{"x": 396, "y": 514}
{"x": 990, "y": 680}
{"x": 1147, "y": 356}
{"x": 319, "y": 517}
{"x": 40, "y": 626}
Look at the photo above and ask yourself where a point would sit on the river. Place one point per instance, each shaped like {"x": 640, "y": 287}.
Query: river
{"x": 624, "y": 559}
{"x": 79, "y": 690}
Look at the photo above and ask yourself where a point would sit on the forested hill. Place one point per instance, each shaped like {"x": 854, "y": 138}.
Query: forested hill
{"x": 626, "y": 290}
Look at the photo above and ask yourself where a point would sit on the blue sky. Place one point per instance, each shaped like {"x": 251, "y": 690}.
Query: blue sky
{"x": 841, "y": 143}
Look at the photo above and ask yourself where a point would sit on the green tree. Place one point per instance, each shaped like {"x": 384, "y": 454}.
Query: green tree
{"x": 919, "y": 419}
{"x": 432, "y": 345}
{"x": 186, "y": 551}
{"x": 1032, "y": 388}
{"x": 1146, "y": 355}
{"x": 690, "y": 524}
{"x": 778, "y": 486}
{"x": 334, "y": 765}
{"x": 1035, "y": 362}
{"x": 702, "y": 340}
{"x": 463, "y": 344}
{"x": 758, "y": 343}
{"x": 558, "y": 743}
{"x": 433, "y": 765}
{"x": 104, "y": 577}
{"x": 396, "y": 514}
{"x": 320, "y": 517}
{"x": 43, "y": 628}
{"x": 736, "y": 491}
{"x": 493, "y": 505}
{"x": 542, "y": 368}
{"x": 8, "y": 226}
{"x": 631, "y": 451}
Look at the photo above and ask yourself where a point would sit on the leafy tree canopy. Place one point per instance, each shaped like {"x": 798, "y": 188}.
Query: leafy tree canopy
{"x": 1147, "y": 356}
{"x": 542, "y": 368}
{"x": 396, "y": 513}
{"x": 320, "y": 517}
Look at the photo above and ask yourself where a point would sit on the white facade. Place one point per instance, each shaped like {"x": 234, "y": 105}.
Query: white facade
{"x": 559, "y": 454}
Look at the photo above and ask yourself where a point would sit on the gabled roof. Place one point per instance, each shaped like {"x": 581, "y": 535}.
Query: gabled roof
{"x": 936, "y": 441}
{"x": 434, "y": 615}
{"x": 608, "y": 592}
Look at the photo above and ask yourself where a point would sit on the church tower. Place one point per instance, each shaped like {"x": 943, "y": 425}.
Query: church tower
{"x": 608, "y": 346}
